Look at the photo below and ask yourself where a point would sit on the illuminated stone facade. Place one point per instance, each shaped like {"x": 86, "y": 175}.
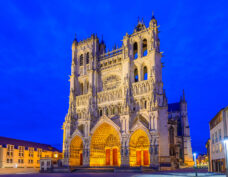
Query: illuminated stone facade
{"x": 118, "y": 111}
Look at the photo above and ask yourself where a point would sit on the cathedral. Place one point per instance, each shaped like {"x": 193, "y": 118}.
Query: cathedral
{"x": 118, "y": 110}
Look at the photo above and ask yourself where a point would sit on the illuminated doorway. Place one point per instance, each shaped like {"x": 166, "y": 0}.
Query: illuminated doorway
{"x": 105, "y": 146}
{"x": 76, "y": 150}
{"x": 139, "y": 149}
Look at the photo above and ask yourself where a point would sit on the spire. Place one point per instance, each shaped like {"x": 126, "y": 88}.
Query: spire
{"x": 153, "y": 17}
{"x": 153, "y": 21}
{"x": 75, "y": 41}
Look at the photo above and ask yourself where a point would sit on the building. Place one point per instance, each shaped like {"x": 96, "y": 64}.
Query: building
{"x": 218, "y": 130}
{"x": 24, "y": 154}
{"x": 118, "y": 111}
{"x": 202, "y": 160}
{"x": 179, "y": 133}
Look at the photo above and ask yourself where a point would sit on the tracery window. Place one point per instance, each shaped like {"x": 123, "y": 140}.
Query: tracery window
{"x": 144, "y": 47}
{"x": 81, "y": 60}
{"x": 87, "y": 58}
{"x": 145, "y": 74}
{"x": 100, "y": 112}
{"x": 136, "y": 76}
{"x": 135, "y": 50}
{"x": 171, "y": 135}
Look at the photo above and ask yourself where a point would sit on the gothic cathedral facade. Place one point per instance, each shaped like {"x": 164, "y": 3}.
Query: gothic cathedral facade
{"x": 118, "y": 111}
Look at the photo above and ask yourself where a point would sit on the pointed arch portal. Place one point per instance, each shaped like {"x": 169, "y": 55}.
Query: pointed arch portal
{"x": 105, "y": 146}
{"x": 139, "y": 149}
{"x": 76, "y": 151}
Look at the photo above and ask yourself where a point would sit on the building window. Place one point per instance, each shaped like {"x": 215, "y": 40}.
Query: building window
{"x": 30, "y": 161}
{"x": 136, "y": 76}
{"x": 145, "y": 104}
{"x": 38, "y": 161}
{"x": 21, "y": 161}
{"x": 39, "y": 153}
{"x": 213, "y": 139}
{"x": 145, "y": 74}
{"x": 220, "y": 135}
{"x": 87, "y": 58}
{"x": 144, "y": 47}
{"x": 9, "y": 160}
{"x": 216, "y": 138}
{"x": 21, "y": 151}
{"x": 10, "y": 149}
{"x": 135, "y": 50}
{"x": 31, "y": 151}
{"x": 81, "y": 60}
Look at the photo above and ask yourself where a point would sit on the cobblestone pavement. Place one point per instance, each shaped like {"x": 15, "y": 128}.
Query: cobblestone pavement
{"x": 162, "y": 174}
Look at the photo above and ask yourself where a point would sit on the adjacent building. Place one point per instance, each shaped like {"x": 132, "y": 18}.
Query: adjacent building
{"x": 218, "y": 130}
{"x": 24, "y": 154}
{"x": 179, "y": 134}
{"x": 118, "y": 110}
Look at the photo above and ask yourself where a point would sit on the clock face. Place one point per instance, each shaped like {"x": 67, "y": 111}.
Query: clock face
{"x": 111, "y": 82}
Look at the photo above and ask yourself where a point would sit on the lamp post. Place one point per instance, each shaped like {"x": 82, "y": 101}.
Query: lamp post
{"x": 195, "y": 164}
{"x": 226, "y": 153}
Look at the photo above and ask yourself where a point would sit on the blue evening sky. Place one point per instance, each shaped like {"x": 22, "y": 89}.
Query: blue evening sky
{"x": 35, "y": 58}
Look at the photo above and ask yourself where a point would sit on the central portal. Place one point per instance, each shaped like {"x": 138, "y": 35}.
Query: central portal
{"x": 105, "y": 146}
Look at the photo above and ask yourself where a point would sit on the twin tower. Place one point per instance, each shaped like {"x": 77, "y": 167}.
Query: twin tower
{"x": 118, "y": 112}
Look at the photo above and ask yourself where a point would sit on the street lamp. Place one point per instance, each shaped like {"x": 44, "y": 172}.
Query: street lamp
{"x": 194, "y": 157}
{"x": 226, "y": 153}
{"x": 195, "y": 164}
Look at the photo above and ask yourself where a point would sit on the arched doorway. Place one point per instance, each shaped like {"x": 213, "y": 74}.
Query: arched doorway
{"x": 139, "y": 149}
{"x": 76, "y": 150}
{"x": 105, "y": 146}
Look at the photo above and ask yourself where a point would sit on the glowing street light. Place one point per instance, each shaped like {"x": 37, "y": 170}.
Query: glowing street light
{"x": 194, "y": 157}
{"x": 195, "y": 164}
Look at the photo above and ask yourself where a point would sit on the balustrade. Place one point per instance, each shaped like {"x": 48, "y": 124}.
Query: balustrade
{"x": 111, "y": 54}
{"x": 141, "y": 87}
{"x": 110, "y": 95}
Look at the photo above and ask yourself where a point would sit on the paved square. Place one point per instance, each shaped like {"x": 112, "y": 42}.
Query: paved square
{"x": 162, "y": 174}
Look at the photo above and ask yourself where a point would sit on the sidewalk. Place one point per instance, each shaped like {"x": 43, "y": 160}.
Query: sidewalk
{"x": 18, "y": 170}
